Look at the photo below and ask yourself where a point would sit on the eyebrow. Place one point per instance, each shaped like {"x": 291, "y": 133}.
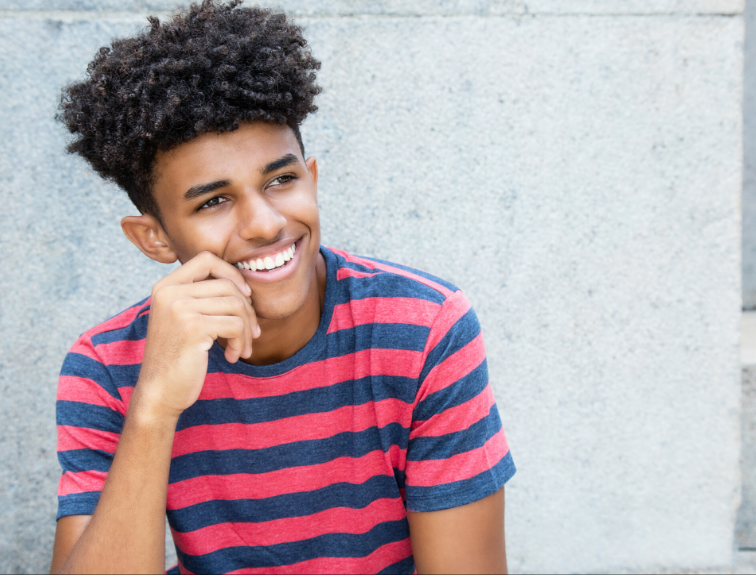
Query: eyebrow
{"x": 202, "y": 189}
{"x": 286, "y": 160}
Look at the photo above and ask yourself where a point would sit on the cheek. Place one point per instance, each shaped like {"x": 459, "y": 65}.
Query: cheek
{"x": 202, "y": 236}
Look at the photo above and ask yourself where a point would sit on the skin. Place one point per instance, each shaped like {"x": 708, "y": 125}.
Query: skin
{"x": 253, "y": 212}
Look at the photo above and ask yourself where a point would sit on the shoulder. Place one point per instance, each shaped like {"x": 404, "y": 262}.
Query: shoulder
{"x": 110, "y": 351}
{"x": 378, "y": 291}
{"x": 372, "y": 277}
{"x": 126, "y": 326}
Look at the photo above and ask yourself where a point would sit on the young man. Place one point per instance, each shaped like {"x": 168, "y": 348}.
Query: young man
{"x": 292, "y": 408}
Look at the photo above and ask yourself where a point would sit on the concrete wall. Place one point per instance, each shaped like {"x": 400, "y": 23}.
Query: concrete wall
{"x": 574, "y": 166}
{"x": 749, "y": 158}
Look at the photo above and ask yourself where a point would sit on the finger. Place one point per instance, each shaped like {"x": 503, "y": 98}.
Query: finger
{"x": 206, "y": 265}
{"x": 230, "y": 328}
{"x": 217, "y": 288}
{"x": 227, "y": 306}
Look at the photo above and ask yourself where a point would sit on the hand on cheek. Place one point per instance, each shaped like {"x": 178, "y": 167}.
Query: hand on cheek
{"x": 206, "y": 299}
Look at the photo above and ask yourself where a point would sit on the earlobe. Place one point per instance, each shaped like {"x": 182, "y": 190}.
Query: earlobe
{"x": 146, "y": 233}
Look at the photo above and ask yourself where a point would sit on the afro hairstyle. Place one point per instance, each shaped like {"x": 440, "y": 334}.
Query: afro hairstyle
{"x": 208, "y": 70}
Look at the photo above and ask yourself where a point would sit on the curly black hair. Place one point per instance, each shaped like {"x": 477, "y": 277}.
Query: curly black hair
{"x": 210, "y": 69}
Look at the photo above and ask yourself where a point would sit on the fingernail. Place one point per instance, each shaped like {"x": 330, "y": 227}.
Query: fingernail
{"x": 258, "y": 331}
{"x": 247, "y": 289}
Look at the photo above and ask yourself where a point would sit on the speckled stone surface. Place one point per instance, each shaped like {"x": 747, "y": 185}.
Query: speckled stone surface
{"x": 576, "y": 173}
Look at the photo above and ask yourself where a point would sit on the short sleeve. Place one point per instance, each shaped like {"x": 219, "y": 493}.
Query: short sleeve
{"x": 457, "y": 451}
{"x": 89, "y": 414}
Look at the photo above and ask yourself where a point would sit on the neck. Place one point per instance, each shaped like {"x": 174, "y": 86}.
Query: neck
{"x": 282, "y": 338}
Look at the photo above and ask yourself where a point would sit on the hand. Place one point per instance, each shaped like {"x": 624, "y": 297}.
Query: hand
{"x": 188, "y": 312}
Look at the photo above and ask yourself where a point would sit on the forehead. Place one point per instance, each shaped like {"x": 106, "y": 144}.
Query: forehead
{"x": 229, "y": 155}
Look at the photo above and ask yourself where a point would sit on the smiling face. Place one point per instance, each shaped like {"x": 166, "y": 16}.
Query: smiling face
{"x": 250, "y": 198}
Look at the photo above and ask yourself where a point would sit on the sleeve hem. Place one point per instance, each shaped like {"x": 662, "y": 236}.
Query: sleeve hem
{"x": 461, "y": 492}
{"x": 77, "y": 504}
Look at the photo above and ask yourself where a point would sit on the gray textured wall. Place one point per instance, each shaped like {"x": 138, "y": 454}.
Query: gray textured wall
{"x": 574, "y": 166}
{"x": 749, "y": 158}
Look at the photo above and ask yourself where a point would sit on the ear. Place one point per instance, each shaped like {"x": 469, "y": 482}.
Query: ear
{"x": 312, "y": 167}
{"x": 146, "y": 233}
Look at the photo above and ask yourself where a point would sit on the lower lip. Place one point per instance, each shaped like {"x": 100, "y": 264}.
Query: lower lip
{"x": 276, "y": 274}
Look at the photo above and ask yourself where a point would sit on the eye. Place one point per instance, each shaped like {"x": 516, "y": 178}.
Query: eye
{"x": 212, "y": 202}
{"x": 282, "y": 180}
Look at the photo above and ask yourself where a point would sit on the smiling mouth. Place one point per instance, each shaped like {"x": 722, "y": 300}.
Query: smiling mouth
{"x": 270, "y": 262}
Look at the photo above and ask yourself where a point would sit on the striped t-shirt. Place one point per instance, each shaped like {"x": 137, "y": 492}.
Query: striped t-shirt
{"x": 311, "y": 464}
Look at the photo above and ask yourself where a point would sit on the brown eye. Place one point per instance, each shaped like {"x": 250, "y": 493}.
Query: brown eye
{"x": 212, "y": 202}
{"x": 281, "y": 180}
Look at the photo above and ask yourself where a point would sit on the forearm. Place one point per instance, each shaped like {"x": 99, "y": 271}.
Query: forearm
{"x": 126, "y": 533}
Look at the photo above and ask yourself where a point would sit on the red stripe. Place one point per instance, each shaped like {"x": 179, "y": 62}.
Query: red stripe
{"x": 290, "y": 429}
{"x": 456, "y": 418}
{"x": 453, "y": 309}
{"x": 383, "y": 310}
{"x": 70, "y": 437}
{"x": 84, "y": 346}
{"x": 126, "y": 393}
{"x": 81, "y": 482}
{"x": 118, "y": 322}
{"x": 370, "y": 362}
{"x": 121, "y": 352}
{"x": 379, "y": 559}
{"x": 350, "y": 273}
{"x": 282, "y": 481}
{"x": 453, "y": 368}
{"x": 73, "y": 388}
{"x": 398, "y": 271}
{"x": 289, "y": 529}
{"x": 436, "y": 472}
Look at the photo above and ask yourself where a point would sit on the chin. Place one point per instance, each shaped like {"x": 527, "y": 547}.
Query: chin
{"x": 278, "y": 307}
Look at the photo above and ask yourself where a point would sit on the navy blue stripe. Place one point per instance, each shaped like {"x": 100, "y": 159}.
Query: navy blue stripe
{"x": 329, "y": 545}
{"x": 302, "y": 504}
{"x": 125, "y": 375}
{"x": 451, "y": 287}
{"x": 343, "y": 263}
{"x": 385, "y": 285}
{"x": 317, "y": 400}
{"x": 399, "y": 477}
{"x": 406, "y": 565}
{"x": 134, "y": 331}
{"x": 378, "y": 336}
{"x": 295, "y": 454}
{"x": 461, "y": 492}
{"x": 78, "y": 365}
{"x": 87, "y": 415}
{"x": 77, "y": 503}
{"x": 466, "y": 329}
{"x": 461, "y": 391}
{"x": 445, "y": 446}
{"x": 77, "y": 460}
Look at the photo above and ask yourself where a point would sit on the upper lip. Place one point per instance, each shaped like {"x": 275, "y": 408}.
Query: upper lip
{"x": 269, "y": 250}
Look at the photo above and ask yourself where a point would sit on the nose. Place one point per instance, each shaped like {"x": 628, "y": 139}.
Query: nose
{"x": 258, "y": 217}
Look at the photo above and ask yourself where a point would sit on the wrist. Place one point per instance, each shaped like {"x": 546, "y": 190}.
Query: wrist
{"x": 147, "y": 410}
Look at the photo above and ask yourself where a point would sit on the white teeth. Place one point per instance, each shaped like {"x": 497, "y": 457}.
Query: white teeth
{"x": 269, "y": 262}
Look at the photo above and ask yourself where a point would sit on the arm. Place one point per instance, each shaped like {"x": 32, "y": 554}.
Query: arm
{"x": 466, "y": 539}
{"x": 188, "y": 313}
